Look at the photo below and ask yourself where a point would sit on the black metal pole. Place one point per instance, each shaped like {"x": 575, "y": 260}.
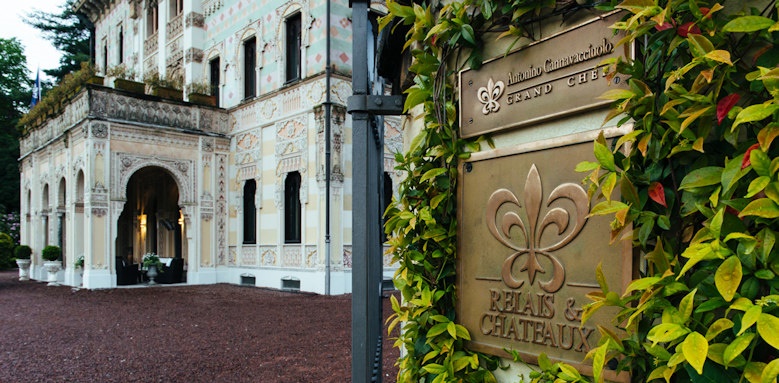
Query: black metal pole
{"x": 364, "y": 298}
{"x": 328, "y": 118}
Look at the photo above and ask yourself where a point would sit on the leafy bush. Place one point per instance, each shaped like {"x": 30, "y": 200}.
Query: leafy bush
{"x": 699, "y": 182}
{"x": 698, "y": 177}
{"x": 51, "y": 253}
{"x": 52, "y": 101}
{"x": 22, "y": 252}
{"x": 6, "y": 250}
{"x": 9, "y": 223}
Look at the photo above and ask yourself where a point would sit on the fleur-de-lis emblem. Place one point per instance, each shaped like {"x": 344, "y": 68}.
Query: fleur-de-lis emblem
{"x": 489, "y": 96}
{"x": 533, "y": 230}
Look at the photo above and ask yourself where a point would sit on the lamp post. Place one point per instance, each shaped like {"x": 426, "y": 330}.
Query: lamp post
{"x": 367, "y": 172}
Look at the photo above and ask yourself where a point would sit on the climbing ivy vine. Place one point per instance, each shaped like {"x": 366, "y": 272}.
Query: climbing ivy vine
{"x": 423, "y": 222}
{"x": 698, "y": 179}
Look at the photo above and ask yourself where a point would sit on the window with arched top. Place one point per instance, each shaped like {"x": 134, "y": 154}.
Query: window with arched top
{"x": 152, "y": 22}
{"x": 249, "y": 212}
{"x": 293, "y": 38}
{"x": 249, "y": 64}
{"x": 292, "y": 209}
{"x": 214, "y": 77}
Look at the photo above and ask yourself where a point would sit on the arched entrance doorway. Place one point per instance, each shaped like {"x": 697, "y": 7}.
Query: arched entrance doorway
{"x": 151, "y": 222}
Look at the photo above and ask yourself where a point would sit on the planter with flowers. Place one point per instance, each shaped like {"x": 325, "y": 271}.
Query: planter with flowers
{"x": 168, "y": 87}
{"x": 22, "y": 254}
{"x": 52, "y": 263}
{"x": 124, "y": 79}
{"x": 200, "y": 93}
{"x": 153, "y": 266}
{"x": 79, "y": 265}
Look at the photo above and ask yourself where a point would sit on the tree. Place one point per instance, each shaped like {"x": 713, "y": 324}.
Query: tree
{"x": 68, "y": 33}
{"x": 14, "y": 96}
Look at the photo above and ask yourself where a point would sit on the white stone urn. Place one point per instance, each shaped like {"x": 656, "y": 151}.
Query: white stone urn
{"x": 152, "y": 273}
{"x": 52, "y": 268}
{"x": 24, "y": 269}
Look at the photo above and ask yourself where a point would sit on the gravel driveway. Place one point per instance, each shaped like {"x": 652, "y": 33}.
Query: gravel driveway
{"x": 215, "y": 333}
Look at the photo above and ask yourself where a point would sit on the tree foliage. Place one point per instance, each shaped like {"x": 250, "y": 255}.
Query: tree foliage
{"x": 14, "y": 96}
{"x": 68, "y": 32}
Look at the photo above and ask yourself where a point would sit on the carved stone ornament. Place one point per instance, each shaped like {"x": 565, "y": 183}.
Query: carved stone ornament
{"x": 99, "y": 130}
{"x": 193, "y": 55}
{"x": 196, "y": 20}
{"x": 127, "y": 164}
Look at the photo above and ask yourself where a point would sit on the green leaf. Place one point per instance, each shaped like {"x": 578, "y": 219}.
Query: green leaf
{"x": 586, "y": 166}
{"x": 766, "y": 327}
{"x": 751, "y": 315}
{"x": 598, "y": 360}
{"x": 434, "y": 368}
{"x": 607, "y": 207}
{"x": 757, "y": 185}
{"x": 667, "y": 332}
{"x": 754, "y": 113}
{"x": 705, "y": 176}
{"x": 467, "y": 33}
{"x": 747, "y": 24}
{"x": 641, "y": 284}
{"x": 762, "y": 207}
{"x": 604, "y": 156}
{"x": 437, "y": 330}
{"x": 718, "y": 327}
{"x": 432, "y": 173}
{"x": 695, "y": 348}
{"x": 686, "y": 305}
{"x": 760, "y": 162}
{"x": 736, "y": 347}
{"x": 719, "y": 56}
{"x": 616, "y": 94}
{"x": 728, "y": 277}
{"x": 770, "y": 372}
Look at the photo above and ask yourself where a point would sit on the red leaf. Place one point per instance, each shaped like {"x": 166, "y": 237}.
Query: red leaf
{"x": 705, "y": 11}
{"x": 663, "y": 26}
{"x": 687, "y": 28}
{"x": 725, "y": 105}
{"x": 657, "y": 193}
{"x": 746, "y": 162}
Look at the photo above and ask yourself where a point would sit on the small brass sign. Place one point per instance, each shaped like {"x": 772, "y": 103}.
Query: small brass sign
{"x": 548, "y": 79}
{"x": 527, "y": 255}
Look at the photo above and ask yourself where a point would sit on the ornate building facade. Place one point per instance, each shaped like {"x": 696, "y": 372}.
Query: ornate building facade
{"x": 239, "y": 191}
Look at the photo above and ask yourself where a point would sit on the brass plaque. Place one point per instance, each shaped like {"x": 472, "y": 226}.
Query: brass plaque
{"x": 527, "y": 255}
{"x": 548, "y": 79}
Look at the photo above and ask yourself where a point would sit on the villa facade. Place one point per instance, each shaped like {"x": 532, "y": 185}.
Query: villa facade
{"x": 241, "y": 190}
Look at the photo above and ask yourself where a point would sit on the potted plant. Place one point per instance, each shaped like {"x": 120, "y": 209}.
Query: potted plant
{"x": 200, "y": 93}
{"x": 166, "y": 87}
{"x": 80, "y": 265}
{"x": 124, "y": 79}
{"x": 53, "y": 264}
{"x": 22, "y": 254}
{"x": 153, "y": 266}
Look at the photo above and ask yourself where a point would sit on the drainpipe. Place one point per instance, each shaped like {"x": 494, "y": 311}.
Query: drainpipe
{"x": 328, "y": 111}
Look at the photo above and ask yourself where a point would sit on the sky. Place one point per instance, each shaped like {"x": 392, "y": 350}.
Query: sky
{"x": 39, "y": 52}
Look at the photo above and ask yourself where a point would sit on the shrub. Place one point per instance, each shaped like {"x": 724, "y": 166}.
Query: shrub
{"x": 6, "y": 247}
{"x": 22, "y": 252}
{"x": 51, "y": 253}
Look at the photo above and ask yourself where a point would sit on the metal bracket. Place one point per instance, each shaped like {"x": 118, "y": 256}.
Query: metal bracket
{"x": 376, "y": 105}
